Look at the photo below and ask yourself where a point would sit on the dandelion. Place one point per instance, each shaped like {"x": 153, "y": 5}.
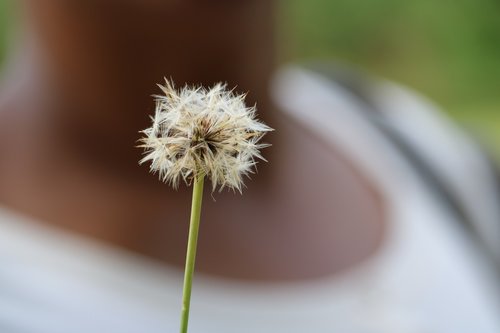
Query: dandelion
{"x": 200, "y": 133}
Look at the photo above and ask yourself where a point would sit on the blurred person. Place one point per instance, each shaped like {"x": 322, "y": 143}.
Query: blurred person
{"x": 374, "y": 213}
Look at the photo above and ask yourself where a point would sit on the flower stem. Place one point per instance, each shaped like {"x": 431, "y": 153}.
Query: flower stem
{"x": 194, "y": 225}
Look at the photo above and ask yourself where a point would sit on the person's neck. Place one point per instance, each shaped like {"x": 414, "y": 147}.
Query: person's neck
{"x": 100, "y": 99}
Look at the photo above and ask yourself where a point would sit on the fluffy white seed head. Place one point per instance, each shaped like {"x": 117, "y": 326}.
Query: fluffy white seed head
{"x": 198, "y": 132}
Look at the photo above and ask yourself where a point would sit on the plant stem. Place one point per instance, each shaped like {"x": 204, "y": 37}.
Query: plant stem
{"x": 194, "y": 225}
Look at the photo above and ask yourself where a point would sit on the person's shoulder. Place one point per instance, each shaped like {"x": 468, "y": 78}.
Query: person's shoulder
{"x": 440, "y": 151}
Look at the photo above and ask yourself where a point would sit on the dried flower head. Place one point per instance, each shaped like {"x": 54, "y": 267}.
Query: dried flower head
{"x": 199, "y": 132}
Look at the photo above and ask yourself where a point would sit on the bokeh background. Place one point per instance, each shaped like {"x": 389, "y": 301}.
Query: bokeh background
{"x": 448, "y": 50}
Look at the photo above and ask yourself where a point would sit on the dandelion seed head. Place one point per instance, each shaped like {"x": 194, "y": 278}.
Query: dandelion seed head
{"x": 198, "y": 132}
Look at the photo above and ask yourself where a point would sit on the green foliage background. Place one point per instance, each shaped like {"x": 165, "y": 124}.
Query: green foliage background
{"x": 448, "y": 49}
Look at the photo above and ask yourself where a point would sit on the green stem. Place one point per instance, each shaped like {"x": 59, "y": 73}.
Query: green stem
{"x": 194, "y": 225}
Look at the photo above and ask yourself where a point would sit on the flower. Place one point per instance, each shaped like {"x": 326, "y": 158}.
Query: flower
{"x": 198, "y": 132}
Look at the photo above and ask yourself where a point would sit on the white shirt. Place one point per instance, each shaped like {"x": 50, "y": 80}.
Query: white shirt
{"x": 427, "y": 278}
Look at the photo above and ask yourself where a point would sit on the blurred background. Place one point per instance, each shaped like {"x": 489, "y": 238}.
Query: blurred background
{"x": 448, "y": 50}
